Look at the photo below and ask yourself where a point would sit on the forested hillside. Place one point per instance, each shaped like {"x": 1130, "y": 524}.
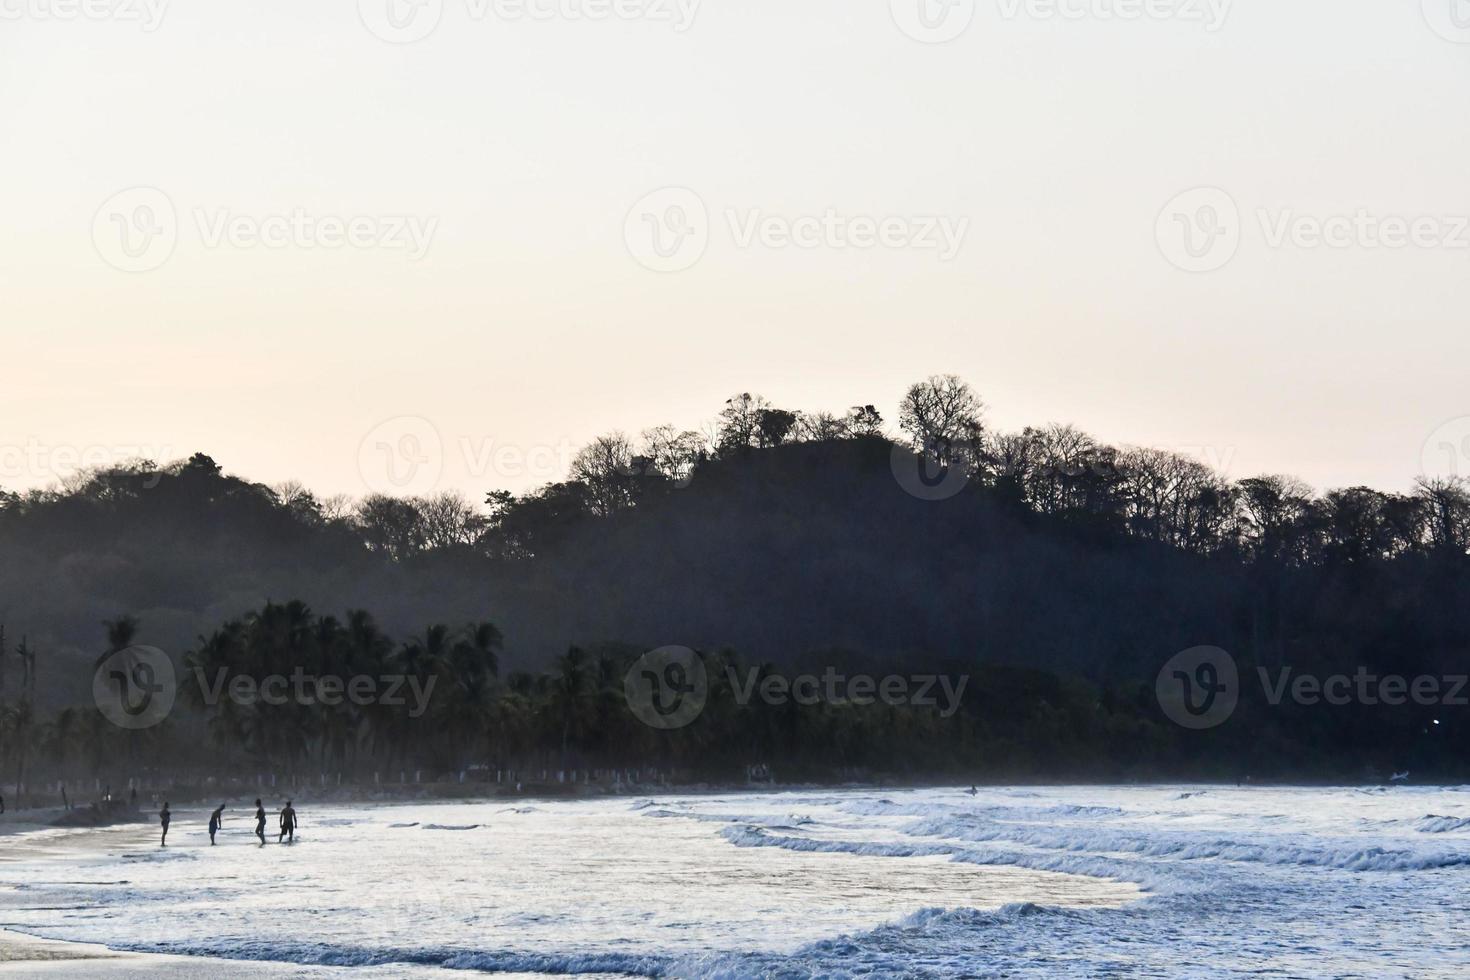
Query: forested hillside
{"x": 784, "y": 536}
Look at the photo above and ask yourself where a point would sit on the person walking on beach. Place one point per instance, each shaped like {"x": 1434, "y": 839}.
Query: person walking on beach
{"x": 215, "y": 819}
{"x": 260, "y": 822}
{"x": 164, "y": 817}
{"x": 288, "y": 823}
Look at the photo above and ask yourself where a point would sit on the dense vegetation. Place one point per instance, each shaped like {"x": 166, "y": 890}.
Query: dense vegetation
{"x": 1061, "y": 575}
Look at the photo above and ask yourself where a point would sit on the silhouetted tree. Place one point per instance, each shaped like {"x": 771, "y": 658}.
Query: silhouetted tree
{"x": 942, "y": 416}
{"x": 605, "y": 468}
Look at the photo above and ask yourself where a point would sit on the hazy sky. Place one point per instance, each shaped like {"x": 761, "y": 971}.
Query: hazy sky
{"x": 497, "y": 294}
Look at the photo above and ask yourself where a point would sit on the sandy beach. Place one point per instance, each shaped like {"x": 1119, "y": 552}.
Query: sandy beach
{"x": 24, "y": 956}
{"x": 27, "y": 834}
{"x": 27, "y": 956}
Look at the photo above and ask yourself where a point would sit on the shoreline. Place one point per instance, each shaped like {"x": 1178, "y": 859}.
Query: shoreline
{"x": 31, "y": 956}
{"x": 25, "y": 954}
{"x": 31, "y": 833}
{"x": 41, "y": 818}
{"x": 17, "y": 950}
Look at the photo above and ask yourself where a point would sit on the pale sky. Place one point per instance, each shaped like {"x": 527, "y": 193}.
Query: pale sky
{"x": 524, "y": 320}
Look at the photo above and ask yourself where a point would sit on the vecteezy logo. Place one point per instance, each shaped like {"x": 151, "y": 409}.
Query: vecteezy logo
{"x": 402, "y": 456}
{"x": 666, "y": 688}
{"x": 1199, "y": 230}
{"x": 135, "y": 687}
{"x": 1446, "y": 453}
{"x": 933, "y": 21}
{"x": 400, "y": 21}
{"x": 1199, "y": 688}
{"x": 1450, "y": 19}
{"x": 924, "y": 475}
{"x": 136, "y": 230}
{"x": 668, "y": 230}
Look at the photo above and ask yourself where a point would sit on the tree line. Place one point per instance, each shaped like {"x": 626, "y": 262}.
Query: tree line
{"x": 1054, "y": 470}
{"x": 1014, "y": 723}
{"x": 776, "y": 533}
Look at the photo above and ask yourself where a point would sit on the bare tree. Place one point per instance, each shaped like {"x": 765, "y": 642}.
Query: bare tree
{"x": 1013, "y": 458}
{"x": 301, "y": 502}
{"x": 942, "y": 416}
{"x": 740, "y": 421}
{"x": 337, "y": 507}
{"x": 449, "y": 520}
{"x": 673, "y": 454}
{"x": 1272, "y": 513}
{"x": 1172, "y": 498}
{"x": 820, "y": 427}
{"x": 1446, "y": 513}
{"x": 1064, "y": 458}
{"x": 605, "y": 467}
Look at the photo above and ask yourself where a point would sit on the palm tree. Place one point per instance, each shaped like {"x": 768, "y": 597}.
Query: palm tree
{"x": 120, "y": 634}
{"x": 21, "y": 731}
{"x": 568, "y": 692}
{"x": 366, "y": 651}
{"x": 95, "y": 737}
{"x": 8, "y": 724}
{"x": 486, "y": 640}
{"x": 62, "y": 736}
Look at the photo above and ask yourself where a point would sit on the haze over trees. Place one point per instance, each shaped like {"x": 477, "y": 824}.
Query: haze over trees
{"x": 782, "y": 538}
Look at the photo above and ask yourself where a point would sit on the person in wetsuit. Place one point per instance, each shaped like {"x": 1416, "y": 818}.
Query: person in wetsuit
{"x": 260, "y": 822}
{"x": 164, "y": 817}
{"x": 215, "y": 819}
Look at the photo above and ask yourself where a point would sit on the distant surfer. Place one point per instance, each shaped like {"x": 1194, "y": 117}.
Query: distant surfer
{"x": 215, "y": 819}
{"x": 164, "y": 817}
{"x": 288, "y": 823}
{"x": 972, "y": 791}
{"x": 260, "y": 822}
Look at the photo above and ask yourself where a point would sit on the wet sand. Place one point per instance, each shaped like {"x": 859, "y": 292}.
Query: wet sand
{"x": 22, "y": 955}
{"x": 29, "y": 957}
{"x": 27, "y": 835}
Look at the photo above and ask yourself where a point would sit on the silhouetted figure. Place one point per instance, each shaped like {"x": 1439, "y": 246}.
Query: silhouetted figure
{"x": 164, "y": 817}
{"x": 64, "y": 801}
{"x": 973, "y": 791}
{"x": 288, "y": 823}
{"x": 260, "y": 822}
{"x": 2, "y": 802}
{"x": 132, "y": 796}
{"x": 215, "y": 819}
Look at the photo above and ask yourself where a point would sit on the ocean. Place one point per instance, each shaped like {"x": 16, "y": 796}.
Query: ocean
{"x": 1025, "y": 882}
